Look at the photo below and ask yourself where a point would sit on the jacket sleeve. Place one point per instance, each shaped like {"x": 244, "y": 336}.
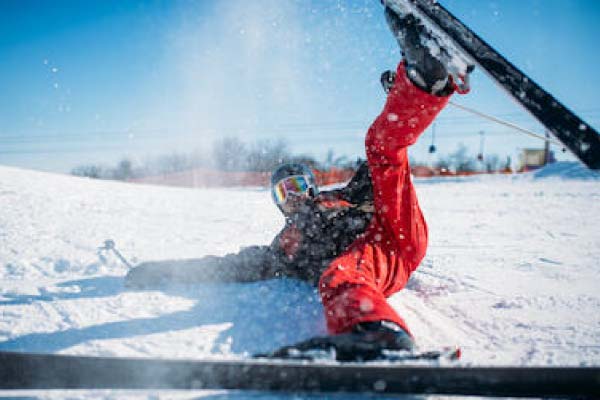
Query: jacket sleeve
{"x": 250, "y": 264}
{"x": 359, "y": 189}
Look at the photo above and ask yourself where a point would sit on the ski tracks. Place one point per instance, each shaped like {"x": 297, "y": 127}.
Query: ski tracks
{"x": 437, "y": 317}
{"x": 444, "y": 308}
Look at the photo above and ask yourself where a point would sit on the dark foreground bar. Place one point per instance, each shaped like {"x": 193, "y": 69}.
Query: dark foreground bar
{"x": 50, "y": 371}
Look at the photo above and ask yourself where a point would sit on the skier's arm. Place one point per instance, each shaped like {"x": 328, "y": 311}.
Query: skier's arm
{"x": 358, "y": 190}
{"x": 360, "y": 187}
{"x": 250, "y": 264}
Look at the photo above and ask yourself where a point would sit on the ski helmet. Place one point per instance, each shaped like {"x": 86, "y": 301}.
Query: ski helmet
{"x": 289, "y": 170}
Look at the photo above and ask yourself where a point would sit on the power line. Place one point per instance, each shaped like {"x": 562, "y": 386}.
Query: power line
{"x": 505, "y": 123}
{"x": 100, "y": 149}
{"x": 287, "y": 129}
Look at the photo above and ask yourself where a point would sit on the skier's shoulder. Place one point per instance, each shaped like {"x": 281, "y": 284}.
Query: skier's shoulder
{"x": 359, "y": 190}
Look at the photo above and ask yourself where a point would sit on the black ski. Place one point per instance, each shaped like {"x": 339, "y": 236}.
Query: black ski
{"x": 51, "y": 371}
{"x": 574, "y": 133}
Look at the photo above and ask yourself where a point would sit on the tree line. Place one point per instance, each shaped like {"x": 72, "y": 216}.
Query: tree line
{"x": 229, "y": 154}
{"x": 232, "y": 154}
{"x": 461, "y": 161}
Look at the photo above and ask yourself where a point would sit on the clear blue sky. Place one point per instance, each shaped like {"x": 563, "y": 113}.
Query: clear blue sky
{"x": 94, "y": 81}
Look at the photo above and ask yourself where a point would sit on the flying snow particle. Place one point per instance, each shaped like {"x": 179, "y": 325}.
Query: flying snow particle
{"x": 584, "y": 147}
{"x": 379, "y": 386}
{"x": 366, "y": 305}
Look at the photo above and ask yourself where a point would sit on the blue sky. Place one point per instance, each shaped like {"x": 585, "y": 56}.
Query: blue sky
{"x": 92, "y": 82}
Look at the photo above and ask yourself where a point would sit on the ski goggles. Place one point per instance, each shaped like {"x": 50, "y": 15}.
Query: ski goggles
{"x": 297, "y": 185}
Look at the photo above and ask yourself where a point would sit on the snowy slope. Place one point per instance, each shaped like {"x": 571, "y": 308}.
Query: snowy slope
{"x": 511, "y": 273}
{"x": 566, "y": 170}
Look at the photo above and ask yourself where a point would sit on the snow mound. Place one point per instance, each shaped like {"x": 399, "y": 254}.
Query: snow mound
{"x": 566, "y": 170}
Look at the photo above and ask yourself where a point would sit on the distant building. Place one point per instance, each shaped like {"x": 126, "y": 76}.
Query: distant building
{"x": 535, "y": 158}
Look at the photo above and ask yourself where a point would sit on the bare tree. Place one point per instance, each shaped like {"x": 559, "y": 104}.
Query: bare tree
{"x": 124, "y": 170}
{"x": 443, "y": 163}
{"x": 230, "y": 154}
{"x": 492, "y": 163}
{"x": 267, "y": 154}
{"x": 461, "y": 161}
{"x": 89, "y": 171}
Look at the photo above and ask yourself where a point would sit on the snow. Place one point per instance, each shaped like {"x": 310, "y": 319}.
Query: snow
{"x": 511, "y": 274}
{"x": 566, "y": 170}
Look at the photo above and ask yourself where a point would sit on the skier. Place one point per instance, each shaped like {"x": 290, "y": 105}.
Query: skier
{"x": 361, "y": 243}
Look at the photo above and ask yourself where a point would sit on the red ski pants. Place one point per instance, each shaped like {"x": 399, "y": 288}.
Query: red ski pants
{"x": 356, "y": 284}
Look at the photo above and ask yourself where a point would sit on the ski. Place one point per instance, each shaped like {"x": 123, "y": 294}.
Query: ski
{"x": 52, "y": 371}
{"x": 579, "y": 137}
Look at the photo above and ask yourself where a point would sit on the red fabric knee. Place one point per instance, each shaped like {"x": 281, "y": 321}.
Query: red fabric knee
{"x": 349, "y": 304}
{"x": 353, "y": 288}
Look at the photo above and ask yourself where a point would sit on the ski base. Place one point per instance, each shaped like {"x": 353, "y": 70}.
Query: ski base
{"x": 464, "y": 44}
{"x": 51, "y": 371}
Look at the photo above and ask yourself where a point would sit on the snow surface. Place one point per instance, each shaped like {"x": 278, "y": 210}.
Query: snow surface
{"x": 511, "y": 274}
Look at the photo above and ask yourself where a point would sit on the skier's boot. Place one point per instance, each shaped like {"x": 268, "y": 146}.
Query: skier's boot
{"x": 429, "y": 65}
{"x": 366, "y": 341}
{"x": 371, "y": 339}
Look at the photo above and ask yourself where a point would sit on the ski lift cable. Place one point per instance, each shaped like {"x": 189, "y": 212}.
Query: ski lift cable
{"x": 505, "y": 123}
